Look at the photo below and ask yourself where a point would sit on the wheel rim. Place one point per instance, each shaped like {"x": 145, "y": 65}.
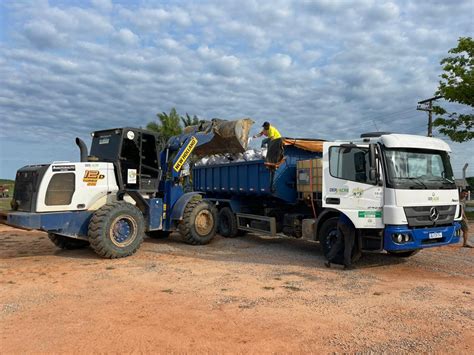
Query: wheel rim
{"x": 123, "y": 231}
{"x": 331, "y": 239}
{"x": 204, "y": 222}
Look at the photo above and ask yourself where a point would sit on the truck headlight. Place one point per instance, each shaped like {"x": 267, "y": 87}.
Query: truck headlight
{"x": 401, "y": 238}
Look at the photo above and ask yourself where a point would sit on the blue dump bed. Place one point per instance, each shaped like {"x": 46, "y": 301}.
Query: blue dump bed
{"x": 252, "y": 178}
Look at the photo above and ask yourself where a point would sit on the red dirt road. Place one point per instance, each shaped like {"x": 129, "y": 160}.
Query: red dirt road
{"x": 250, "y": 294}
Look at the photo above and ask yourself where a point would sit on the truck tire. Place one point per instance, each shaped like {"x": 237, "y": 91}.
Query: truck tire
{"x": 327, "y": 238}
{"x": 227, "y": 224}
{"x": 404, "y": 254}
{"x": 158, "y": 234}
{"x": 116, "y": 230}
{"x": 199, "y": 222}
{"x": 67, "y": 243}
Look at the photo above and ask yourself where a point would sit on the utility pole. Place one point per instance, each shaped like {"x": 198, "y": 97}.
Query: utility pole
{"x": 427, "y": 105}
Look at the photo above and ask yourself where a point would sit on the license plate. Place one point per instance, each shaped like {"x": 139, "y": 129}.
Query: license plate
{"x": 435, "y": 235}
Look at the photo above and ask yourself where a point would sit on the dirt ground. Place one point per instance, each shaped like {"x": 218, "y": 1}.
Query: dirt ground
{"x": 251, "y": 294}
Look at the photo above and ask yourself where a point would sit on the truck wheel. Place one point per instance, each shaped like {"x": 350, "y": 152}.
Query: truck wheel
{"x": 227, "y": 223}
{"x": 328, "y": 236}
{"x": 158, "y": 234}
{"x": 67, "y": 243}
{"x": 116, "y": 230}
{"x": 404, "y": 254}
{"x": 199, "y": 222}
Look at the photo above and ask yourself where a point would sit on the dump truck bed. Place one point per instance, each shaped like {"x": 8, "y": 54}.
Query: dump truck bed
{"x": 241, "y": 178}
{"x": 252, "y": 178}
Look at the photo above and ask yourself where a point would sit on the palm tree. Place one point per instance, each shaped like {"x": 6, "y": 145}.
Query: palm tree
{"x": 168, "y": 125}
{"x": 188, "y": 121}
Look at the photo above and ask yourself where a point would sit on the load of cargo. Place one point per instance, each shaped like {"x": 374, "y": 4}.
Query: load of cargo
{"x": 248, "y": 155}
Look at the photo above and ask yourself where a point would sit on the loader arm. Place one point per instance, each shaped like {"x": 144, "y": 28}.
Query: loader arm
{"x": 207, "y": 138}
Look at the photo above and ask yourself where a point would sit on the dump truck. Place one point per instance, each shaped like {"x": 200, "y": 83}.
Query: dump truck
{"x": 398, "y": 190}
{"x": 126, "y": 186}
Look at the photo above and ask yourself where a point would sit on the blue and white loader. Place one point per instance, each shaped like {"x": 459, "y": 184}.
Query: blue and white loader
{"x": 128, "y": 185}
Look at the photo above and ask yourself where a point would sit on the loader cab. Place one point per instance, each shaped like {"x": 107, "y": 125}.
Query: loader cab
{"x": 134, "y": 153}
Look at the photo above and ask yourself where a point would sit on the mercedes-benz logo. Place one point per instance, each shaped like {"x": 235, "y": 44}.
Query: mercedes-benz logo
{"x": 434, "y": 214}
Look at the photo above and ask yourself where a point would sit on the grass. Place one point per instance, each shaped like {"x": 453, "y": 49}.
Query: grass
{"x": 5, "y": 202}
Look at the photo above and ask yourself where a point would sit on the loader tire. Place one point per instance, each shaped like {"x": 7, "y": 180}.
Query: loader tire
{"x": 158, "y": 234}
{"x": 116, "y": 230}
{"x": 199, "y": 223}
{"x": 67, "y": 243}
{"x": 227, "y": 223}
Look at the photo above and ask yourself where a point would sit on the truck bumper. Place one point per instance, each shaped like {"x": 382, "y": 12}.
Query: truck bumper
{"x": 420, "y": 237}
{"x": 72, "y": 224}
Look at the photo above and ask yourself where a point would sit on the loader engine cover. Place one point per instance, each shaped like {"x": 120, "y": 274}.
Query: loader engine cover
{"x": 27, "y": 182}
{"x": 64, "y": 186}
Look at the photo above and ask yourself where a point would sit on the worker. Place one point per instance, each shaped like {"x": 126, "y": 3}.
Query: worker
{"x": 464, "y": 223}
{"x": 345, "y": 240}
{"x": 270, "y": 132}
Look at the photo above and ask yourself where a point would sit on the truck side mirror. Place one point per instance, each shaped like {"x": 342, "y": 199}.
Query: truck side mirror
{"x": 373, "y": 174}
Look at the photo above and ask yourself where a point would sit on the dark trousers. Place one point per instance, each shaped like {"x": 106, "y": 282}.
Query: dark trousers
{"x": 265, "y": 142}
{"x": 345, "y": 239}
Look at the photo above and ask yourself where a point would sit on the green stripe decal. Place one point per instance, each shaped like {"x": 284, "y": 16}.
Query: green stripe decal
{"x": 370, "y": 214}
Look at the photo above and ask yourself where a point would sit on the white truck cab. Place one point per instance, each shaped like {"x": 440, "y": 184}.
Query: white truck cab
{"x": 397, "y": 189}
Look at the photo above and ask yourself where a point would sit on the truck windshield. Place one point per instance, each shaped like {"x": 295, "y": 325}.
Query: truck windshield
{"x": 418, "y": 169}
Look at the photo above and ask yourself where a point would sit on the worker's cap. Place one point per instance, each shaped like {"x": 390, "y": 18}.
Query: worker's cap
{"x": 266, "y": 124}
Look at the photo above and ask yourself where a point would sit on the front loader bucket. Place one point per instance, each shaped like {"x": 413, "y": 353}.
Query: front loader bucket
{"x": 229, "y": 137}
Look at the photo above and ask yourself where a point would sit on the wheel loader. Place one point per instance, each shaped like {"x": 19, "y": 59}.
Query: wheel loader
{"x": 125, "y": 187}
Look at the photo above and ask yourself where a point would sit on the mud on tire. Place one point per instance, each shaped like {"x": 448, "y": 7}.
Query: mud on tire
{"x": 67, "y": 243}
{"x": 199, "y": 222}
{"x": 116, "y": 230}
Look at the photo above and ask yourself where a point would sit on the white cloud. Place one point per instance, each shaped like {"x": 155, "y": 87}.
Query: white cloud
{"x": 127, "y": 37}
{"x": 279, "y": 62}
{"x": 322, "y": 65}
{"x": 103, "y": 5}
{"x": 225, "y": 66}
{"x": 43, "y": 34}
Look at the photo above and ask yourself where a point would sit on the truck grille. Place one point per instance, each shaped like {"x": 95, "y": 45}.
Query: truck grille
{"x": 427, "y": 216}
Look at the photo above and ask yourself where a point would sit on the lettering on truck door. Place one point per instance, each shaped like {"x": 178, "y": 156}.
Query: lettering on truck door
{"x": 347, "y": 185}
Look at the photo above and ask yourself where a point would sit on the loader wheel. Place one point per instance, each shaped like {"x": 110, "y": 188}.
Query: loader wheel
{"x": 158, "y": 234}
{"x": 116, "y": 230}
{"x": 227, "y": 224}
{"x": 199, "y": 222}
{"x": 67, "y": 243}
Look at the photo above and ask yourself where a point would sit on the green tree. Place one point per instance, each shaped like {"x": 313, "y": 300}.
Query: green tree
{"x": 188, "y": 121}
{"x": 168, "y": 125}
{"x": 457, "y": 85}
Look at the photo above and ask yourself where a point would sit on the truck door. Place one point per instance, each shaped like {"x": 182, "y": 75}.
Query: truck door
{"x": 348, "y": 185}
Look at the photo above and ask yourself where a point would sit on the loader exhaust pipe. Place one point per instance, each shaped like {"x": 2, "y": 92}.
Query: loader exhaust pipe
{"x": 83, "y": 149}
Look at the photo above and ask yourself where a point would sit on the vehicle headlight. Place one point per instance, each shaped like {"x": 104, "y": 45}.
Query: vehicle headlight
{"x": 400, "y": 238}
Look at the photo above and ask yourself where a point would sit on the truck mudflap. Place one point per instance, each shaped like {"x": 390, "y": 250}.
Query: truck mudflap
{"x": 72, "y": 224}
{"x": 400, "y": 238}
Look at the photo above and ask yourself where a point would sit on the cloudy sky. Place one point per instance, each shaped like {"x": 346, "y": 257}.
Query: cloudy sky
{"x": 324, "y": 68}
